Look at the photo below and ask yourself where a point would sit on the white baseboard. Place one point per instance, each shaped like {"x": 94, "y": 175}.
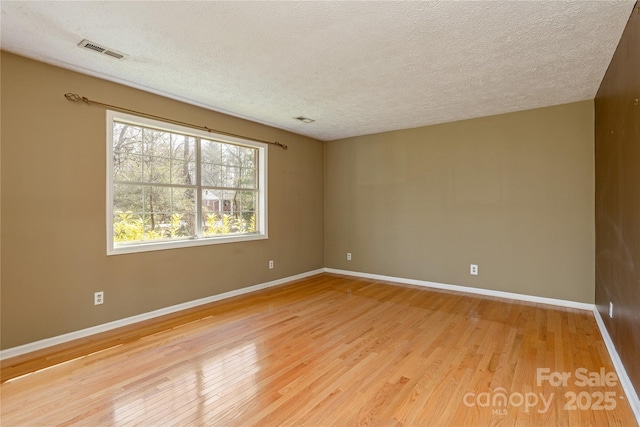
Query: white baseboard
{"x": 49, "y": 342}
{"x": 467, "y": 289}
{"x": 632, "y": 396}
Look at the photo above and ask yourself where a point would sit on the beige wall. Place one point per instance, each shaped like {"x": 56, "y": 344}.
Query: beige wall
{"x": 53, "y": 210}
{"x": 513, "y": 193}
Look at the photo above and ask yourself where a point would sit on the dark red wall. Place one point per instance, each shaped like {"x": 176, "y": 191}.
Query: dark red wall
{"x": 617, "y": 157}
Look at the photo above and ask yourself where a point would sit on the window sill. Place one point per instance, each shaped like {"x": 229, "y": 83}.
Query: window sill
{"x": 187, "y": 243}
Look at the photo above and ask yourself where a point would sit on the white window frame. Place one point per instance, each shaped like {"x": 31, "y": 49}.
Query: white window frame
{"x": 261, "y": 219}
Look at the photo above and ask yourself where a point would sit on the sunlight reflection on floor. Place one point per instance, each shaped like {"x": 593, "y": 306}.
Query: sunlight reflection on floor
{"x": 204, "y": 387}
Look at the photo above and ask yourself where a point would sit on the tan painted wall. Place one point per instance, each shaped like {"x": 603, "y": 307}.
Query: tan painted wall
{"x": 513, "y": 193}
{"x": 53, "y": 210}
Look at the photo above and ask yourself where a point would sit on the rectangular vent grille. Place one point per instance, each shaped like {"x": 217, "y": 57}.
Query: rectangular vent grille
{"x": 114, "y": 54}
{"x": 100, "y": 49}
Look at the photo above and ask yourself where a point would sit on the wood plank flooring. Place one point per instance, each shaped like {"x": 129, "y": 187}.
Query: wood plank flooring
{"x": 331, "y": 350}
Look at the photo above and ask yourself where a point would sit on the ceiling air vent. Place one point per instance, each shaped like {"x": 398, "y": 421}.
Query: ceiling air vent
{"x": 100, "y": 49}
{"x": 304, "y": 119}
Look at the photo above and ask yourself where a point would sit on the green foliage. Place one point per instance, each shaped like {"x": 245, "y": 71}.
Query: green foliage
{"x": 252, "y": 224}
{"x": 130, "y": 228}
{"x": 175, "y": 224}
{"x": 217, "y": 224}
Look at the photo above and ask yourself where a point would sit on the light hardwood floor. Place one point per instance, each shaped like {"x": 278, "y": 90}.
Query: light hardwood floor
{"x": 329, "y": 350}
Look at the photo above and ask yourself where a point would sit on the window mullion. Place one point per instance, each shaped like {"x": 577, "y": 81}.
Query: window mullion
{"x": 154, "y": 184}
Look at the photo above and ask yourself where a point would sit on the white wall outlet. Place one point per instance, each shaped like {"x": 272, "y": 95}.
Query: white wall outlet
{"x": 610, "y": 309}
{"x": 348, "y": 256}
{"x": 271, "y": 264}
{"x": 98, "y": 298}
{"x": 473, "y": 269}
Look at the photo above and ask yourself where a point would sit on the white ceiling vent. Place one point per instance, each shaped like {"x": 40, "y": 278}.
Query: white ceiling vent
{"x": 100, "y": 49}
{"x": 304, "y": 119}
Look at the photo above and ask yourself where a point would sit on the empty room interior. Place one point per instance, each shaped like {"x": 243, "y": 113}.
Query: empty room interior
{"x": 320, "y": 213}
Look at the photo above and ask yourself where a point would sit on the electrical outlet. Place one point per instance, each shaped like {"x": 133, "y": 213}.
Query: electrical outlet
{"x": 473, "y": 269}
{"x": 348, "y": 256}
{"x": 271, "y": 264}
{"x": 610, "y": 309}
{"x": 98, "y": 298}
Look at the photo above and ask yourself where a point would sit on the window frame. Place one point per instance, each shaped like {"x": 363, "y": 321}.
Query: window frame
{"x": 146, "y": 246}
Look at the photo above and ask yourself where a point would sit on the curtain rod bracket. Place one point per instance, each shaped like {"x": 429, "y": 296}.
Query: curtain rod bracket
{"x": 74, "y": 97}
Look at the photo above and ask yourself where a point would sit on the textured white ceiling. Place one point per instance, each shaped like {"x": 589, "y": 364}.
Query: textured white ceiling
{"x": 355, "y": 67}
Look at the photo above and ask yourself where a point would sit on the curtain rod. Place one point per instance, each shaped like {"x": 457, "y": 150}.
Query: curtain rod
{"x": 73, "y": 97}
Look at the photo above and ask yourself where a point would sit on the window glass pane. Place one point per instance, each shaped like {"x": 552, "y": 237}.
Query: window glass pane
{"x": 157, "y": 199}
{"x": 183, "y": 154}
{"x": 247, "y": 202}
{"x": 183, "y": 224}
{"x": 211, "y": 201}
{"x": 128, "y": 210}
{"x": 211, "y": 175}
{"x": 210, "y": 154}
{"x": 222, "y": 213}
{"x": 212, "y": 224}
{"x": 211, "y": 151}
{"x": 229, "y": 155}
{"x": 231, "y": 177}
{"x": 156, "y": 170}
{"x": 248, "y": 178}
{"x": 228, "y": 165}
{"x": 228, "y": 201}
{"x": 183, "y": 213}
{"x": 183, "y": 172}
{"x": 157, "y": 210}
{"x": 128, "y": 227}
{"x": 156, "y": 225}
{"x": 127, "y": 138}
{"x": 151, "y": 213}
{"x": 127, "y": 198}
{"x": 183, "y": 147}
{"x": 156, "y": 143}
{"x": 127, "y": 166}
{"x": 127, "y": 148}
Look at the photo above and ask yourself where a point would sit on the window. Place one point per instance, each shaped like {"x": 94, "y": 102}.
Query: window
{"x": 170, "y": 186}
